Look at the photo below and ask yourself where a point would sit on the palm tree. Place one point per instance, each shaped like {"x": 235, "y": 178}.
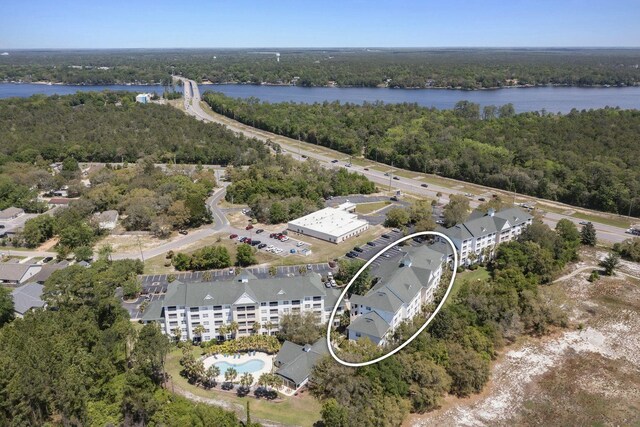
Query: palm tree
{"x": 199, "y": 330}
{"x": 210, "y": 375}
{"x": 269, "y": 326}
{"x": 276, "y": 381}
{"x": 233, "y": 328}
{"x": 246, "y": 380}
{"x": 177, "y": 333}
{"x": 230, "y": 375}
{"x": 256, "y": 327}
{"x": 263, "y": 380}
{"x": 223, "y": 330}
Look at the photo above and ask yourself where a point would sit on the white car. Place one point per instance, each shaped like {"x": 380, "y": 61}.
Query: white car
{"x": 278, "y": 250}
{"x": 284, "y": 238}
{"x": 270, "y": 248}
{"x": 299, "y": 244}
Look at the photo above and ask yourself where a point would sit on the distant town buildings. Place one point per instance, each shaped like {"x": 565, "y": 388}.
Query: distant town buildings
{"x": 143, "y": 98}
{"x": 334, "y": 225}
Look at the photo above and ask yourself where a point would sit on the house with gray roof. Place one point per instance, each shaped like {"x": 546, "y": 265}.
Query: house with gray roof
{"x": 106, "y": 220}
{"x": 399, "y": 295}
{"x": 477, "y": 238}
{"x": 15, "y": 274}
{"x": 294, "y": 362}
{"x": 244, "y": 300}
{"x": 27, "y": 297}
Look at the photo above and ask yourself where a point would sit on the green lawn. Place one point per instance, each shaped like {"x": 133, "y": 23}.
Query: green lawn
{"x": 366, "y": 208}
{"x": 615, "y": 222}
{"x": 468, "y": 275}
{"x": 301, "y": 411}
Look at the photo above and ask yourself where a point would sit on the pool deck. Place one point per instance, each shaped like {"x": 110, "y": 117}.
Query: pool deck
{"x": 235, "y": 360}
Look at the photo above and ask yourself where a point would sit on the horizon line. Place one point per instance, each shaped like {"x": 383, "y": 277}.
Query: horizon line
{"x": 320, "y": 47}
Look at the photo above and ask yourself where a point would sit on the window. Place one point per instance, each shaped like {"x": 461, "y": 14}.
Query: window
{"x": 263, "y": 304}
{"x": 273, "y": 304}
{"x": 295, "y": 302}
{"x": 241, "y": 308}
{"x": 217, "y": 307}
{"x": 205, "y": 323}
{"x": 285, "y": 302}
{"x": 317, "y": 298}
{"x": 205, "y": 315}
{"x": 195, "y": 309}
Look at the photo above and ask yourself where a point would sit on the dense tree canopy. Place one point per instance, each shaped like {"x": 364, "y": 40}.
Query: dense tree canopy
{"x": 584, "y": 158}
{"x": 112, "y": 127}
{"x": 415, "y": 68}
{"x": 280, "y": 189}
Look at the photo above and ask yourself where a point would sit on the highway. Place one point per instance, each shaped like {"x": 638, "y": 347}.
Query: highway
{"x": 299, "y": 150}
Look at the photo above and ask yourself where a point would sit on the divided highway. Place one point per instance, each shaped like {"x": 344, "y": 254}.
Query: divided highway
{"x": 300, "y": 151}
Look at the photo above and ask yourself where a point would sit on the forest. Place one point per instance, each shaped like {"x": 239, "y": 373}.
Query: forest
{"x": 280, "y": 189}
{"x": 83, "y": 363}
{"x": 584, "y": 158}
{"x": 401, "y": 68}
{"x": 454, "y": 354}
{"x": 112, "y": 127}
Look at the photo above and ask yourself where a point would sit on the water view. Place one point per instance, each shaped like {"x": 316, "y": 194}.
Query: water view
{"x": 551, "y": 99}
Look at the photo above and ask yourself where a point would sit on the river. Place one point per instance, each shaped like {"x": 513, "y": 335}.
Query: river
{"x": 551, "y": 99}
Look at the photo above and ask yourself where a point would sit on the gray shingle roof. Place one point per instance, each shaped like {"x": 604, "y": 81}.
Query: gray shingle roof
{"x": 27, "y": 297}
{"x": 46, "y": 271}
{"x": 515, "y": 216}
{"x": 258, "y": 290}
{"x": 370, "y": 324}
{"x": 13, "y": 271}
{"x": 9, "y": 213}
{"x": 295, "y": 362}
{"x": 153, "y": 311}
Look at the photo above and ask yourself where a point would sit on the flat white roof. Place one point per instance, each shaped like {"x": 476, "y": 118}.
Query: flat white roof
{"x": 332, "y": 221}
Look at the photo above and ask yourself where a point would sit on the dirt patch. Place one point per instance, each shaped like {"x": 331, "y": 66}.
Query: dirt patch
{"x": 587, "y": 374}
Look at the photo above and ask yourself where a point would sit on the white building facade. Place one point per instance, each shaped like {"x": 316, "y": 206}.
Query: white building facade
{"x": 334, "y": 225}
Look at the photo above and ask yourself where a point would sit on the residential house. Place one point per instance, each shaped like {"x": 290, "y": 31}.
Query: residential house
{"x": 10, "y": 213}
{"x": 27, "y": 297}
{"x": 107, "y": 220}
{"x": 15, "y": 273}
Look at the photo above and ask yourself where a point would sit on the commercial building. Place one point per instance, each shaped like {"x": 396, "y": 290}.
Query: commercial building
{"x": 334, "y": 225}
{"x": 294, "y": 362}
{"x": 399, "y": 295}
{"x": 477, "y": 238}
{"x": 243, "y": 300}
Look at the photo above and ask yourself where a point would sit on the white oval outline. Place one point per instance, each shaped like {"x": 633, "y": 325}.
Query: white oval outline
{"x": 415, "y": 335}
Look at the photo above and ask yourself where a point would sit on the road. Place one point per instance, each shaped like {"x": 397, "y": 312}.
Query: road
{"x": 299, "y": 150}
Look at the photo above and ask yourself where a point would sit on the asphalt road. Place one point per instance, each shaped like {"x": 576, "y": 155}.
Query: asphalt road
{"x": 298, "y": 151}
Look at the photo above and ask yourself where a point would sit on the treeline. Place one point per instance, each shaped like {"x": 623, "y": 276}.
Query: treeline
{"x": 584, "y": 158}
{"x": 280, "y": 189}
{"x": 82, "y": 362}
{"x": 112, "y": 127}
{"x": 454, "y": 354}
{"x": 402, "y": 68}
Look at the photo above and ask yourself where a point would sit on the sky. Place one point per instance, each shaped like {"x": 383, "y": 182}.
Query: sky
{"x": 328, "y": 23}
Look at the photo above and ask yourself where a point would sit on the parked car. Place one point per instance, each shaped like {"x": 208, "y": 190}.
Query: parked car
{"x": 262, "y": 245}
{"x": 255, "y": 242}
{"x": 371, "y": 243}
{"x": 396, "y": 178}
{"x": 394, "y": 198}
{"x": 385, "y": 236}
{"x": 424, "y": 185}
{"x": 233, "y": 236}
{"x": 334, "y": 161}
{"x": 327, "y": 284}
{"x": 351, "y": 255}
{"x": 183, "y": 232}
{"x": 386, "y": 174}
{"x": 259, "y": 230}
{"x": 584, "y": 222}
{"x": 366, "y": 169}
{"x": 247, "y": 240}
{"x": 482, "y": 199}
{"x": 358, "y": 249}
{"x": 299, "y": 244}
{"x": 304, "y": 156}
{"x": 249, "y": 227}
{"x": 309, "y": 267}
{"x": 395, "y": 230}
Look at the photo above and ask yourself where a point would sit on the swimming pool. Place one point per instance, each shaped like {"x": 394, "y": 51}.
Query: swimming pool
{"x": 250, "y": 366}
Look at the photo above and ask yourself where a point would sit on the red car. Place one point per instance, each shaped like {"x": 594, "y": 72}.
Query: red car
{"x": 233, "y": 236}
{"x": 248, "y": 227}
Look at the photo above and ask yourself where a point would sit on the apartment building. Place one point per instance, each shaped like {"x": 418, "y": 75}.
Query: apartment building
{"x": 477, "y": 238}
{"x": 399, "y": 294}
{"x": 244, "y": 300}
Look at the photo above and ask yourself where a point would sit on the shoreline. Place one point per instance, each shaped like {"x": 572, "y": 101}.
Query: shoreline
{"x": 496, "y": 88}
